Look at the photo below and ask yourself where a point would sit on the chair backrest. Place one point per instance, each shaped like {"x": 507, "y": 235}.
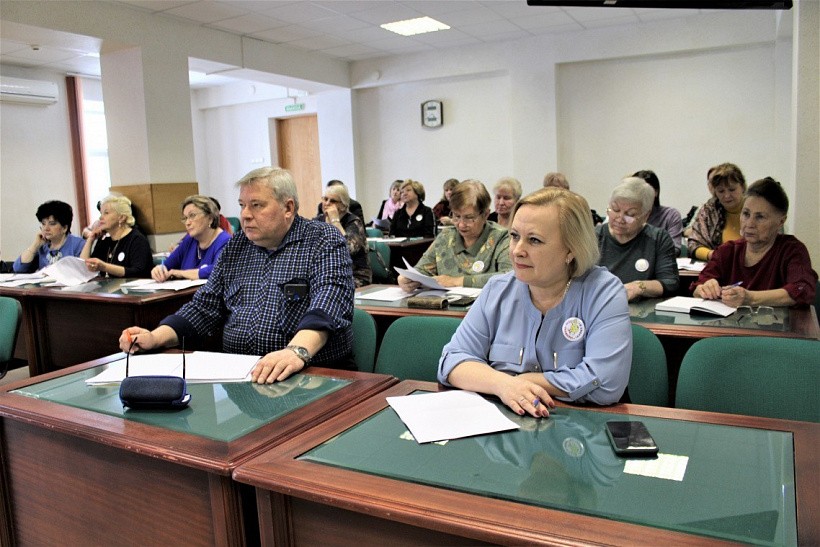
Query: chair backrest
{"x": 817, "y": 300}
{"x": 10, "y": 313}
{"x": 753, "y": 375}
{"x": 649, "y": 378}
{"x": 373, "y": 232}
{"x": 235, "y": 225}
{"x": 379, "y": 257}
{"x": 364, "y": 340}
{"x": 411, "y": 347}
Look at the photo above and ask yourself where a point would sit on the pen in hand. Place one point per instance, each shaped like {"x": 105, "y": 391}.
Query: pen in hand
{"x": 738, "y": 284}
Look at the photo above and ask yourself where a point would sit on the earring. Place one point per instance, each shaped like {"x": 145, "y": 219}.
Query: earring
{"x": 567, "y": 261}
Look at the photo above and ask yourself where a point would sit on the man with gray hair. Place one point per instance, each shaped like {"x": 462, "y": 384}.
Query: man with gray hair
{"x": 282, "y": 288}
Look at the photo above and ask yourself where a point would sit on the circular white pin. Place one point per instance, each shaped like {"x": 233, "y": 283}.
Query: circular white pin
{"x": 418, "y": 218}
{"x": 478, "y": 266}
{"x": 573, "y": 329}
{"x": 121, "y": 256}
{"x": 642, "y": 264}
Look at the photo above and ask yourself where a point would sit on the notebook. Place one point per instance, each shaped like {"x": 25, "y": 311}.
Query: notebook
{"x": 686, "y": 304}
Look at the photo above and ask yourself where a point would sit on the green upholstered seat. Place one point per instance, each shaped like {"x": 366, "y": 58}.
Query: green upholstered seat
{"x": 235, "y": 225}
{"x": 649, "y": 378}
{"x": 379, "y": 257}
{"x": 373, "y": 232}
{"x": 752, "y": 375}
{"x": 412, "y": 346}
{"x": 364, "y": 340}
{"x": 10, "y": 314}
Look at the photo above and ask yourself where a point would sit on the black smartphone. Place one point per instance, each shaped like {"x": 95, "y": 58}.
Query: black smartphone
{"x": 631, "y": 439}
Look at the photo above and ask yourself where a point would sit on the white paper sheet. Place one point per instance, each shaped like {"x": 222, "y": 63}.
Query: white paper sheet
{"x": 387, "y": 239}
{"x": 174, "y": 284}
{"x": 449, "y": 415}
{"x": 687, "y": 264}
{"x": 391, "y": 294}
{"x": 200, "y": 367}
{"x": 69, "y": 271}
{"x": 415, "y": 275}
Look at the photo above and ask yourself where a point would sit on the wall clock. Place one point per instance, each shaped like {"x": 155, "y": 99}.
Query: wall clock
{"x": 432, "y": 114}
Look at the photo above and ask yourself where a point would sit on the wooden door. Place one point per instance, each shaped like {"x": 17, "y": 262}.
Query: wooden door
{"x": 298, "y": 147}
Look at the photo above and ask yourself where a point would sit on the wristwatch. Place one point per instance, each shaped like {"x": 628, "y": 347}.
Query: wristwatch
{"x": 300, "y": 352}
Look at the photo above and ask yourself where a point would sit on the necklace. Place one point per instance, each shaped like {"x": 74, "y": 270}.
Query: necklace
{"x": 566, "y": 288}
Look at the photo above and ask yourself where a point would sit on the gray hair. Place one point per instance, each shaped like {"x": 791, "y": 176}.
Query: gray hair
{"x": 339, "y": 191}
{"x": 121, "y": 206}
{"x": 204, "y": 204}
{"x": 278, "y": 180}
{"x": 512, "y": 184}
{"x": 636, "y": 190}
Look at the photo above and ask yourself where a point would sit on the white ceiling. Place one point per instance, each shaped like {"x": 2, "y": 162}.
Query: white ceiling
{"x": 342, "y": 29}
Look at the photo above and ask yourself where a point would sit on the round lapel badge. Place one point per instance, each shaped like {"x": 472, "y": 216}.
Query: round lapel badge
{"x": 418, "y": 218}
{"x": 573, "y": 447}
{"x": 121, "y": 256}
{"x": 478, "y": 266}
{"x": 573, "y": 329}
{"x": 642, "y": 264}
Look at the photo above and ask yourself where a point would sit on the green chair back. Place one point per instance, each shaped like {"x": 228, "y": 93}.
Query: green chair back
{"x": 10, "y": 313}
{"x": 412, "y": 346}
{"x": 753, "y": 375}
{"x": 364, "y": 340}
{"x": 649, "y": 377}
{"x": 379, "y": 257}
{"x": 374, "y": 232}
{"x": 235, "y": 225}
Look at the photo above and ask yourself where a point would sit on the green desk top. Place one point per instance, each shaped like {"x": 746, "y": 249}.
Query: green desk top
{"x": 643, "y": 311}
{"x": 737, "y": 483}
{"x": 223, "y": 412}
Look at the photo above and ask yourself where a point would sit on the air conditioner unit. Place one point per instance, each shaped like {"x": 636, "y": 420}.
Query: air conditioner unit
{"x": 17, "y": 90}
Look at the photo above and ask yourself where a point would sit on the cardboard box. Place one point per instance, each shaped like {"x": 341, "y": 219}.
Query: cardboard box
{"x": 156, "y": 206}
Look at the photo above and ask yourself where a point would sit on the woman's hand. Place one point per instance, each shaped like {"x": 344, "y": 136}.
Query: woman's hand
{"x": 449, "y": 280}
{"x": 710, "y": 290}
{"x": 524, "y": 396}
{"x": 39, "y": 239}
{"x": 445, "y": 220}
{"x": 633, "y": 291}
{"x": 160, "y": 274}
{"x": 332, "y": 213}
{"x": 407, "y": 284}
{"x": 734, "y": 296}
{"x": 96, "y": 265}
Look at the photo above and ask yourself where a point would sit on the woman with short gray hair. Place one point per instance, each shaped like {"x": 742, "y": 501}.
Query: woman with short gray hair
{"x": 642, "y": 256}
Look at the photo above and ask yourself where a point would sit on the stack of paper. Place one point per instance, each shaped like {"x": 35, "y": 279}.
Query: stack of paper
{"x": 200, "y": 367}
{"x": 691, "y": 265}
{"x": 69, "y": 271}
{"x": 151, "y": 285}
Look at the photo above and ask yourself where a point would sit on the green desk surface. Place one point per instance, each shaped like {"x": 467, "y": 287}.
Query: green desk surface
{"x": 738, "y": 484}
{"x": 223, "y": 412}
{"x": 643, "y": 311}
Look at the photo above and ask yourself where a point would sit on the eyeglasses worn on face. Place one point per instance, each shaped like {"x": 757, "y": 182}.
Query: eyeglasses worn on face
{"x": 192, "y": 217}
{"x": 629, "y": 219}
{"x": 467, "y": 219}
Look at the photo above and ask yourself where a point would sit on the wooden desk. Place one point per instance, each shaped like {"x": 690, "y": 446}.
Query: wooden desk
{"x": 70, "y": 325}
{"x": 304, "y": 502}
{"x": 74, "y": 476}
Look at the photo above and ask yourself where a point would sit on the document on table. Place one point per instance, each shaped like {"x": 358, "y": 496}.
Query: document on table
{"x": 415, "y": 275}
{"x": 449, "y": 415}
{"x": 688, "y": 264}
{"x": 17, "y": 279}
{"x": 151, "y": 285}
{"x": 387, "y": 239}
{"x": 390, "y": 294}
{"x": 200, "y": 367}
{"x": 69, "y": 271}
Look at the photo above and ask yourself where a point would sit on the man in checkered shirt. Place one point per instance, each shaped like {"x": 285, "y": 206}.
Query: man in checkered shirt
{"x": 282, "y": 288}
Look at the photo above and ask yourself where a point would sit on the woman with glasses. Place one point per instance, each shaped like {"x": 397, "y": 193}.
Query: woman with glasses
{"x": 196, "y": 254}
{"x": 471, "y": 253}
{"x": 414, "y": 219}
{"x": 118, "y": 249}
{"x": 718, "y": 221}
{"x": 764, "y": 267}
{"x": 507, "y": 192}
{"x": 53, "y": 239}
{"x": 642, "y": 256}
{"x": 335, "y": 211}
{"x": 556, "y": 327}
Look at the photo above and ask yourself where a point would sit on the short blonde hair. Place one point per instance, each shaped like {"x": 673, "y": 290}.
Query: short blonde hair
{"x": 574, "y": 225}
{"x": 556, "y": 179}
{"x": 339, "y": 191}
{"x": 121, "y": 206}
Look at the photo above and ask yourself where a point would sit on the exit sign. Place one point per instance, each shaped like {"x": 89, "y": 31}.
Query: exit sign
{"x": 294, "y": 107}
